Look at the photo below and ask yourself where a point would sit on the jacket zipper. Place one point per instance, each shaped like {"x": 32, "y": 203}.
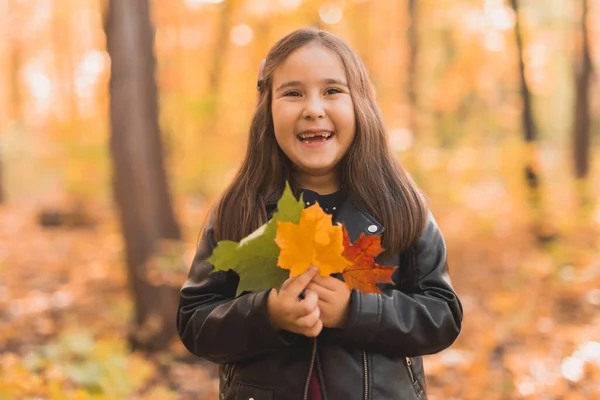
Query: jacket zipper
{"x": 229, "y": 371}
{"x": 366, "y": 369}
{"x": 310, "y": 369}
{"x": 410, "y": 370}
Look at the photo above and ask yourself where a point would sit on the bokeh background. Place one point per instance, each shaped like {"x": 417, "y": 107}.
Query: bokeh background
{"x": 491, "y": 105}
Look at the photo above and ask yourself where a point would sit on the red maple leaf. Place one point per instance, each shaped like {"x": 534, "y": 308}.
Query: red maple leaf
{"x": 364, "y": 273}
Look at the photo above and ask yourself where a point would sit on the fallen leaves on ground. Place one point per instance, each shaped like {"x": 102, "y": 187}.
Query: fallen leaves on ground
{"x": 530, "y": 330}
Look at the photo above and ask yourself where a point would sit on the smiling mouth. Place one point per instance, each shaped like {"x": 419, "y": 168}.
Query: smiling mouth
{"x": 315, "y": 137}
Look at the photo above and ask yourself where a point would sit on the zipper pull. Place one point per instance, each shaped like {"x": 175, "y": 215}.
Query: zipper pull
{"x": 410, "y": 370}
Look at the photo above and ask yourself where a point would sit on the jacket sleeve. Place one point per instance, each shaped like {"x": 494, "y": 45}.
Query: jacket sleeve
{"x": 424, "y": 319}
{"x": 216, "y": 325}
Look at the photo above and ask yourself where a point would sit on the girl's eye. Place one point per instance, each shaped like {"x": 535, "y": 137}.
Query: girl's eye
{"x": 333, "y": 91}
{"x": 293, "y": 93}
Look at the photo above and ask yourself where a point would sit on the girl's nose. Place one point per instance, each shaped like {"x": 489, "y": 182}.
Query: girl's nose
{"x": 313, "y": 109}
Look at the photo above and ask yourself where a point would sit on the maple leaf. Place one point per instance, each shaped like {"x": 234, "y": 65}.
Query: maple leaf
{"x": 254, "y": 258}
{"x": 313, "y": 241}
{"x": 364, "y": 273}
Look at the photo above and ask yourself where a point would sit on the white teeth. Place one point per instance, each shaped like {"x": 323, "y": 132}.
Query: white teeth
{"x": 306, "y": 136}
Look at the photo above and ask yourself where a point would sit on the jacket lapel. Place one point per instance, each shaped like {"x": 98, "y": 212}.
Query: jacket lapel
{"x": 357, "y": 221}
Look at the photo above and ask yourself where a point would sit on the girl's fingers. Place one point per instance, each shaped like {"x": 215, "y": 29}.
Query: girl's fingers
{"x": 287, "y": 283}
{"x": 322, "y": 292}
{"x": 308, "y": 304}
{"x": 314, "y": 330}
{"x": 308, "y": 320}
{"x": 299, "y": 283}
{"x": 323, "y": 305}
{"x": 327, "y": 282}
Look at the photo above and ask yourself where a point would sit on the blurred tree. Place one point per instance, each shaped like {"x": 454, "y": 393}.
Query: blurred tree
{"x": 1, "y": 177}
{"x": 140, "y": 182}
{"x": 218, "y": 57}
{"x": 451, "y": 104}
{"x": 529, "y": 127}
{"x": 581, "y": 115}
{"x": 413, "y": 46}
{"x": 543, "y": 228}
{"x": 15, "y": 103}
{"x": 63, "y": 56}
{"x": 362, "y": 39}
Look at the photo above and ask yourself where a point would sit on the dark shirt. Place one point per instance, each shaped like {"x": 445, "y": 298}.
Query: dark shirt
{"x": 328, "y": 202}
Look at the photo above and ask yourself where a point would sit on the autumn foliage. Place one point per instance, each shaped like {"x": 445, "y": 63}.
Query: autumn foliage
{"x": 295, "y": 239}
{"x": 314, "y": 241}
{"x": 364, "y": 273}
{"x": 448, "y": 84}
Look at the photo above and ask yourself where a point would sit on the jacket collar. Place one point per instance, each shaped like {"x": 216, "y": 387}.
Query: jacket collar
{"x": 357, "y": 220}
{"x": 352, "y": 215}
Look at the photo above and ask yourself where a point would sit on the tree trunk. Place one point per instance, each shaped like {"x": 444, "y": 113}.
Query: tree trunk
{"x": 543, "y": 228}
{"x": 581, "y": 115}
{"x": 218, "y": 57}
{"x": 64, "y": 59}
{"x": 261, "y": 43}
{"x": 411, "y": 75}
{"x": 362, "y": 36}
{"x": 529, "y": 127}
{"x": 15, "y": 103}
{"x": 15, "y": 113}
{"x": 140, "y": 182}
{"x": 528, "y": 123}
{"x": 2, "y": 196}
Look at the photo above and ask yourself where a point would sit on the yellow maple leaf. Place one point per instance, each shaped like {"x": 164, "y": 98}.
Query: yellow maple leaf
{"x": 314, "y": 241}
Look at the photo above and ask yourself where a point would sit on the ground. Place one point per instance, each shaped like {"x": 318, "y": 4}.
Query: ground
{"x": 530, "y": 329}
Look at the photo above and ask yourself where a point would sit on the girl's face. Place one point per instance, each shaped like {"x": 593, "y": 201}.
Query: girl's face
{"x": 313, "y": 113}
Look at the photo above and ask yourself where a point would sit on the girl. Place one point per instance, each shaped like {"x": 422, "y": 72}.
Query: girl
{"x": 317, "y": 126}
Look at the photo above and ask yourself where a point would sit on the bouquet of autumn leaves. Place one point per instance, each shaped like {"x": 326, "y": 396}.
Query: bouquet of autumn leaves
{"x": 295, "y": 239}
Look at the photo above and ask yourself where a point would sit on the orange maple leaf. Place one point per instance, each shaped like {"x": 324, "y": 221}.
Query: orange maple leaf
{"x": 364, "y": 273}
{"x": 314, "y": 241}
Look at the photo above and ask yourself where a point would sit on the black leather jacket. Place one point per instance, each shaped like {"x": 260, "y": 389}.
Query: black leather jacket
{"x": 377, "y": 356}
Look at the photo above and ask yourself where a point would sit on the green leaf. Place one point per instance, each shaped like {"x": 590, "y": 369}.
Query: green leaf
{"x": 288, "y": 208}
{"x": 255, "y": 257}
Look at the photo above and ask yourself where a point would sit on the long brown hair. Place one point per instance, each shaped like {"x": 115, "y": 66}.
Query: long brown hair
{"x": 369, "y": 173}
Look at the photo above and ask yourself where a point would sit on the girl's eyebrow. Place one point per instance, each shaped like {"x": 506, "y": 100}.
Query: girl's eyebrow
{"x": 329, "y": 81}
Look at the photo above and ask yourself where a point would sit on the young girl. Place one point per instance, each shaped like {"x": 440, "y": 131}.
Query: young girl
{"x": 317, "y": 126}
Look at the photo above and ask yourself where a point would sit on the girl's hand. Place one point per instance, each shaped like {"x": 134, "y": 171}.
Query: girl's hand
{"x": 287, "y": 312}
{"x": 334, "y": 300}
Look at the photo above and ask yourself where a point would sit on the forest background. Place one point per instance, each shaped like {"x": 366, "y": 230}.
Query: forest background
{"x": 122, "y": 121}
